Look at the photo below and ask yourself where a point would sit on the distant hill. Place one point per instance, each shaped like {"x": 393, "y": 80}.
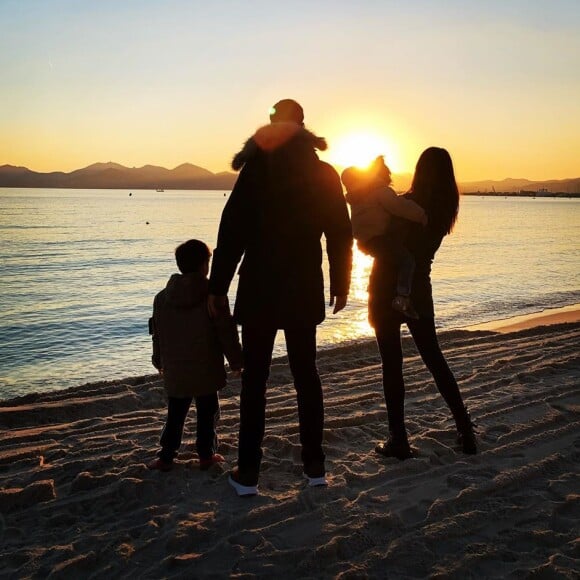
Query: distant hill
{"x": 188, "y": 176}
{"x": 114, "y": 176}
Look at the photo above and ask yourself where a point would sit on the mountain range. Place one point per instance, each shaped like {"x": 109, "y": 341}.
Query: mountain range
{"x": 188, "y": 176}
{"x": 115, "y": 176}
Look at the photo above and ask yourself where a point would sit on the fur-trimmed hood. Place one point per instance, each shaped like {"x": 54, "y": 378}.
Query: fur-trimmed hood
{"x": 275, "y": 135}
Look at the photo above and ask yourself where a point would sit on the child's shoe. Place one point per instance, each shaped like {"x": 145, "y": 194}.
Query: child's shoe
{"x": 403, "y": 305}
{"x": 205, "y": 464}
{"x": 245, "y": 484}
{"x": 160, "y": 465}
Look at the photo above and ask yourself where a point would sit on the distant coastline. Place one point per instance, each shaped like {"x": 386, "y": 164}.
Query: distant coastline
{"x": 532, "y": 194}
{"x": 115, "y": 176}
{"x": 187, "y": 176}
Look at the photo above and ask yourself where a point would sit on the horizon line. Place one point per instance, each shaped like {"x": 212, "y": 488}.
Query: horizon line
{"x": 404, "y": 173}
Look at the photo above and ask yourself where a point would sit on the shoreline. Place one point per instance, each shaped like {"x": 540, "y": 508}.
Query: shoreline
{"x": 547, "y": 317}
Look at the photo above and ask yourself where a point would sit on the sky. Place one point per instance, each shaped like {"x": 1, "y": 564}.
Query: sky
{"x": 166, "y": 82}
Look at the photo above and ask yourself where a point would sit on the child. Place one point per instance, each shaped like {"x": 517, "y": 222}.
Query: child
{"x": 188, "y": 350}
{"x": 373, "y": 203}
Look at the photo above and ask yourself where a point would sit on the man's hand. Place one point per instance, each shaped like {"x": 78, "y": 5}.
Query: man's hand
{"x": 339, "y": 303}
{"x": 217, "y": 305}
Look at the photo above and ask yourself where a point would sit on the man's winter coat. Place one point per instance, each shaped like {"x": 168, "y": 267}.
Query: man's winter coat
{"x": 187, "y": 344}
{"x": 284, "y": 200}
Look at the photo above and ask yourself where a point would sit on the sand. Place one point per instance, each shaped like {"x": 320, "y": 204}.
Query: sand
{"x": 77, "y": 500}
{"x": 544, "y": 318}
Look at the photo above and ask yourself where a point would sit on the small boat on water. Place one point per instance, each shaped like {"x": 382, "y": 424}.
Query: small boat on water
{"x": 159, "y": 189}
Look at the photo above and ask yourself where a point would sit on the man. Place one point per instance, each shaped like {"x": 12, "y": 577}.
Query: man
{"x": 285, "y": 198}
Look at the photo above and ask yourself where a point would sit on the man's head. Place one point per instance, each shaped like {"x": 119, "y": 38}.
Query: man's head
{"x": 287, "y": 110}
{"x": 192, "y": 256}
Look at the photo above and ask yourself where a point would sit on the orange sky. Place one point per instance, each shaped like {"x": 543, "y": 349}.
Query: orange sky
{"x": 495, "y": 83}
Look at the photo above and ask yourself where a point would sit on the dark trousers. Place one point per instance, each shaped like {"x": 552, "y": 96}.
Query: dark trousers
{"x": 388, "y": 335}
{"x": 208, "y": 412}
{"x": 257, "y": 343}
{"x": 391, "y": 247}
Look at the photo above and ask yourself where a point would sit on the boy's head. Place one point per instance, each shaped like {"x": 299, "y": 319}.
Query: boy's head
{"x": 192, "y": 256}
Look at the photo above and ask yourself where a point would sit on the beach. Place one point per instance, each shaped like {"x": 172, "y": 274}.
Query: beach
{"x": 77, "y": 500}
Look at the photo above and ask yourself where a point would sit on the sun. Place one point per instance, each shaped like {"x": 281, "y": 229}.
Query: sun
{"x": 360, "y": 149}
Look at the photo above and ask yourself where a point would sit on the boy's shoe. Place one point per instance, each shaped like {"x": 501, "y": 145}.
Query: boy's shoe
{"x": 160, "y": 465}
{"x": 245, "y": 484}
{"x": 392, "y": 448}
{"x": 205, "y": 464}
{"x": 403, "y": 305}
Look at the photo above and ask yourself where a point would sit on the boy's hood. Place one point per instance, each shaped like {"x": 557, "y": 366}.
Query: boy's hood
{"x": 186, "y": 290}
{"x": 270, "y": 137}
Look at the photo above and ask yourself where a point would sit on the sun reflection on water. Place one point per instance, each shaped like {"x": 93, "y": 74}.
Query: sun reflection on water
{"x": 361, "y": 269}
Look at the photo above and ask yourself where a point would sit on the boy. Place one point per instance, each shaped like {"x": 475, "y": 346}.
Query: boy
{"x": 188, "y": 351}
{"x": 373, "y": 203}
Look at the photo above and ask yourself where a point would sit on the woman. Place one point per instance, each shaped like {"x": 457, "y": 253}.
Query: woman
{"x": 435, "y": 190}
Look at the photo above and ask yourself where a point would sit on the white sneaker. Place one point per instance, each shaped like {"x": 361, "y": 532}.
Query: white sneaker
{"x": 243, "y": 490}
{"x": 316, "y": 481}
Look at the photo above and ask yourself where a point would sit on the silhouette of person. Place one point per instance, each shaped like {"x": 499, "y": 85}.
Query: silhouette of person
{"x": 372, "y": 202}
{"x": 435, "y": 190}
{"x": 283, "y": 201}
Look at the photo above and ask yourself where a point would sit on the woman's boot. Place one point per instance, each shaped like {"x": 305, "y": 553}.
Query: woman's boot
{"x": 397, "y": 445}
{"x": 466, "y": 434}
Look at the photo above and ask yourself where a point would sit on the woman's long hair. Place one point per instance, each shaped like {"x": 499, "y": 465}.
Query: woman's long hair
{"x": 435, "y": 189}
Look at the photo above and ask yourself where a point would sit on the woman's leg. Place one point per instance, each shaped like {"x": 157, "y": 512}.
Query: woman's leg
{"x": 388, "y": 336}
{"x": 425, "y": 337}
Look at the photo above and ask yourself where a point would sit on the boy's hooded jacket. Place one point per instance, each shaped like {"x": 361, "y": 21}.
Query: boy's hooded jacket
{"x": 284, "y": 200}
{"x": 187, "y": 344}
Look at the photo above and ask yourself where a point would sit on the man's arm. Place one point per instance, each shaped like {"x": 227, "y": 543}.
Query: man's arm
{"x": 228, "y": 336}
{"x": 338, "y": 233}
{"x": 232, "y": 239}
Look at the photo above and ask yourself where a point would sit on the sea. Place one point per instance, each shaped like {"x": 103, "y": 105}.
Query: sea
{"x": 80, "y": 269}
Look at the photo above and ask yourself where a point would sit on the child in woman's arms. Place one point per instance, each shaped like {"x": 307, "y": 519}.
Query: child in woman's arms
{"x": 373, "y": 202}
